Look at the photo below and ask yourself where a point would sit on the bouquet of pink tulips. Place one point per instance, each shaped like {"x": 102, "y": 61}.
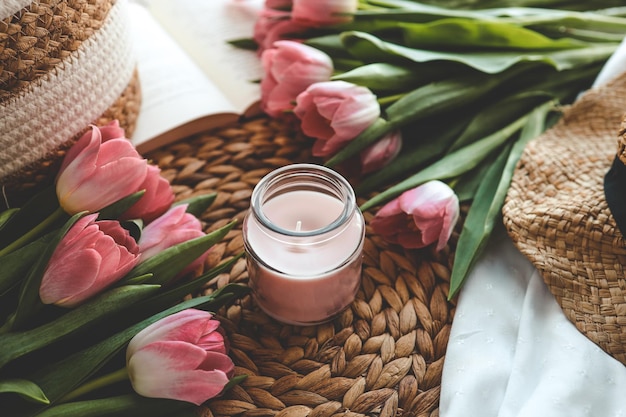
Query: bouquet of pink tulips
{"x": 428, "y": 104}
{"x": 94, "y": 271}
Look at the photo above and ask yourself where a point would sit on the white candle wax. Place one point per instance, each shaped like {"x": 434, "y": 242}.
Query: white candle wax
{"x": 304, "y": 277}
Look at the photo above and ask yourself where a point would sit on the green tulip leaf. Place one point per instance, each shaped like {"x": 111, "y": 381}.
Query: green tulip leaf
{"x": 423, "y": 143}
{"x": 425, "y": 102}
{"x": 452, "y": 165}
{"x": 478, "y": 35}
{"x": 369, "y": 48}
{"x": 129, "y": 405}
{"x": 370, "y": 135}
{"x": 115, "y": 210}
{"x": 498, "y": 114}
{"x": 382, "y": 76}
{"x": 89, "y": 314}
{"x": 487, "y": 205}
{"x": 171, "y": 296}
{"x": 6, "y": 215}
{"x": 29, "y": 303}
{"x": 16, "y": 264}
{"x": 168, "y": 263}
{"x": 245, "y": 43}
{"x": 59, "y": 378}
{"x": 332, "y": 45}
{"x": 466, "y": 185}
{"x": 25, "y": 389}
{"x": 33, "y": 212}
{"x": 236, "y": 380}
{"x": 197, "y": 205}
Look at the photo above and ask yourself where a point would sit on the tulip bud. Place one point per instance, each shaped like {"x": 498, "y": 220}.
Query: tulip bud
{"x": 290, "y": 67}
{"x": 158, "y": 197}
{"x": 174, "y": 227}
{"x": 379, "y": 154}
{"x": 91, "y": 256}
{"x": 323, "y": 12}
{"x": 181, "y": 357}
{"x": 95, "y": 174}
{"x": 275, "y": 25}
{"x": 419, "y": 217}
{"x": 335, "y": 112}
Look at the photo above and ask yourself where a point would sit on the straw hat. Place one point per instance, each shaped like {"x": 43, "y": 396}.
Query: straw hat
{"x": 64, "y": 64}
{"x": 557, "y": 214}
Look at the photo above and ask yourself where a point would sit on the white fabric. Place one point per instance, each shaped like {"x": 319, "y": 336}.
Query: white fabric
{"x": 513, "y": 353}
{"x": 67, "y": 99}
{"x": 9, "y": 7}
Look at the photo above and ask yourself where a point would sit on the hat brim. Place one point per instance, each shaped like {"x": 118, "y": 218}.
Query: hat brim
{"x": 557, "y": 215}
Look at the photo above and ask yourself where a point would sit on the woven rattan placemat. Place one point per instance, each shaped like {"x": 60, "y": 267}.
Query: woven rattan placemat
{"x": 382, "y": 357}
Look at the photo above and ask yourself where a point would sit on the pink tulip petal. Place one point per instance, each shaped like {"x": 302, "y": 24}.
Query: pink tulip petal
{"x": 172, "y": 327}
{"x": 170, "y": 370}
{"x": 410, "y": 240}
{"x": 112, "y": 131}
{"x": 173, "y": 227}
{"x": 106, "y": 186}
{"x": 61, "y": 283}
{"x": 213, "y": 341}
{"x": 79, "y": 226}
{"x": 449, "y": 221}
{"x": 82, "y": 156}
{"x": 116, "y": 149}
{"x": 157, "y": 199}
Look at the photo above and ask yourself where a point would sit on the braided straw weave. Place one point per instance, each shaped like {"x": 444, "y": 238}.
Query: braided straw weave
{"x": 63, "y": 65}
{"x": 557, "y": 215}
{"x": 383, "y": 356}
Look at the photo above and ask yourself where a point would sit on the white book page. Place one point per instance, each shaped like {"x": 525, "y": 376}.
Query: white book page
{"x": 203, "y": 28}
{"x": 174, "y": 90}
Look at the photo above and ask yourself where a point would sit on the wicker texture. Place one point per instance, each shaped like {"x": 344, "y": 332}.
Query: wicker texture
{"x": 383, "y": 356}
{"x": 65, "y": 64}
{"x": 557, "y": 215}
{"x": 39, "y": 37}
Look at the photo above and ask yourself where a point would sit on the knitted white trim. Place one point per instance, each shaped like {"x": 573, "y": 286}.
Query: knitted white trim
{"x": 9, "y": 7}
{"x": 70, "y": 97}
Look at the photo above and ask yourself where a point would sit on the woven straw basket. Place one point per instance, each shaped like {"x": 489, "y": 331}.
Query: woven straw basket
{"x": 64, "y": 64}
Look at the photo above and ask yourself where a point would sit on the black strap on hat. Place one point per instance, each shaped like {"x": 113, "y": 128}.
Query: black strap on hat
{"x": 615, "y": 192}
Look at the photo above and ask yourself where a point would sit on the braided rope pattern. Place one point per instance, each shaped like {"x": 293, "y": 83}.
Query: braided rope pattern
{"x": 70, "y": 97}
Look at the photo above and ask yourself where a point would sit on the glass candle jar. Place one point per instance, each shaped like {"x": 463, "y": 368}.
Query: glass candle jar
{"x": 304, "y": 238}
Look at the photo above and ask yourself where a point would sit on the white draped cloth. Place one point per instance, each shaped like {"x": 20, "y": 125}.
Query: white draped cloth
{"x": 513, "y": 353}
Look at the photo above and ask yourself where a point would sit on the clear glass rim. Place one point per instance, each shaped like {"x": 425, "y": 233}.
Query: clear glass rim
{"x": 320, "y": 173}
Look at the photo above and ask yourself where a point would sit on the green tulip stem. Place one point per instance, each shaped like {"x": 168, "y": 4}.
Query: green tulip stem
{"x": 100, "y": 382}
{"x": 384, "y": 101}
{"x": 35, "y": 232}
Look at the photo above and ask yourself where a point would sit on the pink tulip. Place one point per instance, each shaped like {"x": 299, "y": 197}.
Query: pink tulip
{"x": 95, "y": 174}
{"x": 419, "y": 217}
{"x": 174, "y": 227}
{"x": 381, "y": 153}
{"x": 157, "y": 199}
{"x": 112, "y": 131}
{"x": 91, "y": 256}
{"x": 323, "y": 12}
{"x": 275, "y": 25}
{"x": 335, "y": 112}
{"x": 290, "y": 67}
{"x": 181, "y": 357}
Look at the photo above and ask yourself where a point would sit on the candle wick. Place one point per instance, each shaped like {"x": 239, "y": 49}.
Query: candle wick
{"x": 298, "y": 226}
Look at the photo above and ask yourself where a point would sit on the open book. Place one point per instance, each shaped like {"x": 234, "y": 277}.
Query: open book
{"x": 192, "y": 79}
